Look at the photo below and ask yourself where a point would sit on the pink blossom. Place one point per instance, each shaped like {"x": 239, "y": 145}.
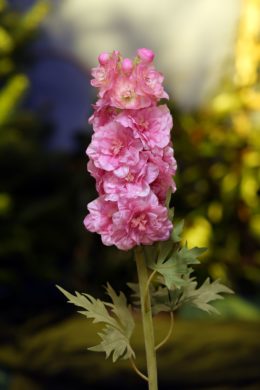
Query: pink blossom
{"x": 124, "y": 96}
{"x": 102, "y": 115}
{"x": 98, "y": 175}
{"x": 99, "y": 220}
{"x": 113, "y": 148}
{"x": 149, "y": 81}
{"x": 152, "y": 125}
{"x": 140, "y": 221}
{"x": 105, "y": 74}
{"x": 135, "y": 184}
{"x": 166, "y": 163}
{"x": 103, "y": 78}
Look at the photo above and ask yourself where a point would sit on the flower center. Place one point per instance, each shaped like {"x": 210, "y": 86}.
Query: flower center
{"x": 139, "y": 222}
{"x": 127, "y": 95}
{"x": 116, "y": 147}
{"x": 129, "y": 177}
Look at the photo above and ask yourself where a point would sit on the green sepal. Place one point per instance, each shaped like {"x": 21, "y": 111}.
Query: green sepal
{"x": 168, "y": 198}
{"x": 167, "y": 204}
{"x": 171, "y": 213}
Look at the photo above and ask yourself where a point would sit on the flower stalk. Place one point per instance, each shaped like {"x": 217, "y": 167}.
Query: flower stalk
{"x": 147, "y": 320}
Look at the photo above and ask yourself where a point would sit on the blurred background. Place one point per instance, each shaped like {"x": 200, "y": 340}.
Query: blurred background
{"x": 209, "y": 52}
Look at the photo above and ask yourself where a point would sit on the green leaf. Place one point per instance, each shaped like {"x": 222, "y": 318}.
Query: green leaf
{"x": 94, "y": 308}
{"x": 121, "y": 310}
{"x": 190, "y": 255}
{"x": 163, "y": 299}
{"x": 165, "y": 248}
{"x": 202, "y": 296}
{"x": 170, "y": 300}
{"x": 118, "y": 329}
{"x": 177, "y": 231}
{"x": 159, "y": 297}
{"x": 176, "y": 267}
{"x": 115, "y": 342}
{"x": 136, "y": 293}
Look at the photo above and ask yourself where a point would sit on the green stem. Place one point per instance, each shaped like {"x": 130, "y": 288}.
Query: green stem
{"x": 166, "y": 338}
{"x": 147, "y": 319}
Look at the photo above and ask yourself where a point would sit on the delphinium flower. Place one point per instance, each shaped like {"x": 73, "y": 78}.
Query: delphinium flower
{"x": 130, "y": 155}
{"x": 131, "y": 158}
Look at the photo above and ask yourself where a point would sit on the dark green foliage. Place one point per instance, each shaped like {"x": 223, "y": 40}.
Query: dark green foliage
{"x": 42, "y": 193}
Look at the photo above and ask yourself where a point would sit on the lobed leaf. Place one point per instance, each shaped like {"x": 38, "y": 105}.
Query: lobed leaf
{"x": 94, "y": 308}
{"x": 118, "y": 328}
{"x": 115, "y": 342}
{"x": 176, "y": 266}
{"x": 206, "y": 293}
{"x": 165, "y": 300}
{"x": 121, "y": 310}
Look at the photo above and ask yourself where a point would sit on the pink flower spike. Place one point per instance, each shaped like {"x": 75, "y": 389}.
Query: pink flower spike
{"x": 103, "y": 58}
{"x": 146, "y": 55}
{"x": 130, "y": 154}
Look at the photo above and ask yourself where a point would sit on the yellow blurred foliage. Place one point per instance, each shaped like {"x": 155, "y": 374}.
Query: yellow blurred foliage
{"x": 215, "y": 211}
{"x": 6, "y": 42}
{"x": 198, "y": 233}
{"x": 224, "y": 149}
{"x": 11, "y": 94}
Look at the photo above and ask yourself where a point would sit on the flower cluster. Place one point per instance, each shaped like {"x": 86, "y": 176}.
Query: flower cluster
{"x": 130, "y": 154}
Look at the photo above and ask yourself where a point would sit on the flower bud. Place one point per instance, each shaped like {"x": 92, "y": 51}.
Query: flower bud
{"x": 127, "y": 65}
{"x": 145, "y": 55}
{"x": 103, "y": 58}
